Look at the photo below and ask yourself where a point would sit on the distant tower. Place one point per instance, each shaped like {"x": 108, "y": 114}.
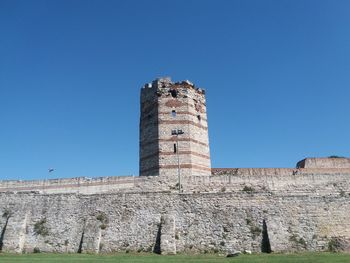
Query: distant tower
{"x": 173, "y": 125}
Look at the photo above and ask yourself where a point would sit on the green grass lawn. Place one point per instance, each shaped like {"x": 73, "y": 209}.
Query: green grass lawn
{"x": 152, "y": 258}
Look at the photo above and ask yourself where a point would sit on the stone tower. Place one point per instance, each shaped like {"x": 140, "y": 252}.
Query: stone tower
{"x": 173, "y": 129}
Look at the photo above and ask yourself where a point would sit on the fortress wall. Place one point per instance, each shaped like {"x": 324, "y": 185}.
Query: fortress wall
{"x": 323, "y": 181}
{"x": 82, "y": 185}
{"x": 329, "y": 162}
{"x": 278, "y": 171}
{"x": 171, "y": 222}
{"x": 301, "y": 183}
{"x": 252, "y": 171}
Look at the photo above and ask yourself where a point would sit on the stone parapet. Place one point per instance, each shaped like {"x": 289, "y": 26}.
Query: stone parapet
{"x": 312, "y": 180}
{"x": 329, "y": 162}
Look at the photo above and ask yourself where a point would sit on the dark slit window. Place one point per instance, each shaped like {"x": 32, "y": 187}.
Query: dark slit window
{"x": 173, "y": 93}
{"x": 174, "y": 147}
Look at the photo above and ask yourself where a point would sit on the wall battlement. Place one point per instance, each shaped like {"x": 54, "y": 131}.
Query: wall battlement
{"x": 162, "y": 85}
{"x": 231, "y": 178}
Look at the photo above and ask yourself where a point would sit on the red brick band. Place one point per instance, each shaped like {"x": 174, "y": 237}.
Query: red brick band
{"x": 172, "y": 153}
{"x": 151, "y": 106}
{"x": 182, "y": 113}
{"x": 174, "y": 166}
{"x": 176, "y": 105}
{"x": 173, "y": 139}
{"x": 145, "y": 118}
{"x": 183, "y": 122}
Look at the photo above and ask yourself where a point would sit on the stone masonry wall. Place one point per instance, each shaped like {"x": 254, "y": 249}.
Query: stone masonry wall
{"x": 170, "y": 222}
{"x": 304, "y": 209}
{"x": 329, "y": 162}
{"x": 332, "y": 181}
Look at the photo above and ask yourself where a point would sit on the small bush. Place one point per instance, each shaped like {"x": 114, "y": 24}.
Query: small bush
{"x": 333, "y": 245}
{"x": 293, "y": 238}
{"x": 6, "y": 213}
{"x": 248, "y": 189}
{"x": 302, "y": 242}
{"x": 299, "y": 241}
{"x": 102, "y": 217}
{"x": 40, "y": 228}
{"x": 256, "y": 231}
{"x": 36, "y": 250}
{"x": 101, "y": 246}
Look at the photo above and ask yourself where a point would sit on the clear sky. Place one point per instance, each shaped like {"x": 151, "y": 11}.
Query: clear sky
{"x": 277, "y": 76}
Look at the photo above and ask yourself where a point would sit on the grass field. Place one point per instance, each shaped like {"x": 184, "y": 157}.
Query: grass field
{"x": 152, "y": 258}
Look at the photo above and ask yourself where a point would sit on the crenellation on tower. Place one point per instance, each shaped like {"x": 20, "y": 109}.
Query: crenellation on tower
{"x": 168, "y": 107}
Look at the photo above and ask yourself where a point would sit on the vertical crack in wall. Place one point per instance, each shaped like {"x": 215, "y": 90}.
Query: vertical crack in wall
{"x": 80, "y": 248}
{"x": 156, "y": 248}
{"x": 265, "y": 242}
{"x": 7, "y": 215}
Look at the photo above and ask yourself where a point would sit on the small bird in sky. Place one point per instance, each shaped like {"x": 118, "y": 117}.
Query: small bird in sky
{"x": 51, "y": 170}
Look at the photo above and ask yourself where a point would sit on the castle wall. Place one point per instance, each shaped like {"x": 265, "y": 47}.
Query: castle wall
{"x": 331, "y": 180}
{"x": 304, "y": 209}
{"x": 203, "y": 222}
{"x": 336, "y": 162}
{"x": 81, "y": 185}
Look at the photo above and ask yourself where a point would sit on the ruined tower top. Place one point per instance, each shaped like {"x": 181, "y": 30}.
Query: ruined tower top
{"x": 164, "y": 84}
{"x": 173, "y": 129}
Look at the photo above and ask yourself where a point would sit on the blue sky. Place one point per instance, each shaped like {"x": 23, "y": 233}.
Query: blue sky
{"x": 276, "y": 75}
